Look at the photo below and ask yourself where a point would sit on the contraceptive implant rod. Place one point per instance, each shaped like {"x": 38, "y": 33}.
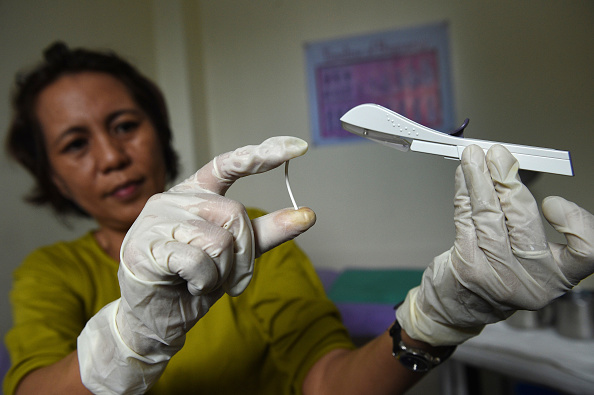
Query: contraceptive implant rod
{"x": 289, "y": 186}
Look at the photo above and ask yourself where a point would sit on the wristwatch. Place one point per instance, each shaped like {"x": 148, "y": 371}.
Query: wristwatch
{"x": 413, "y": 358}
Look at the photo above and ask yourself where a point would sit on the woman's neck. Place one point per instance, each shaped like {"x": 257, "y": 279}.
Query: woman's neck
{"x": 110, "y": 241}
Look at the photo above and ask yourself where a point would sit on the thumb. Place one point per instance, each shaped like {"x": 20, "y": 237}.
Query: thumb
{"x": 283, "y": 225}
{"x": 220, "y": 173}
{"x": 577, "y": 258}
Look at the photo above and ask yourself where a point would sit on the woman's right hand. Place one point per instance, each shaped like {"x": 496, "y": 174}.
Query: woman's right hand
{"x": 188, "y": 247}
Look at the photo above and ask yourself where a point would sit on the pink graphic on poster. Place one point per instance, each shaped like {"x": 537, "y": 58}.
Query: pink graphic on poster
{"x": 405, "y": 70}
{"x": 408, "y": 84}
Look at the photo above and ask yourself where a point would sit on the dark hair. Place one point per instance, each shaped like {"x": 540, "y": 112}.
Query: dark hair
{"x": 25, "y": 140}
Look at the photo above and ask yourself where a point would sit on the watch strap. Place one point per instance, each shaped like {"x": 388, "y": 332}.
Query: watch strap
{"x": 413, "y": 358}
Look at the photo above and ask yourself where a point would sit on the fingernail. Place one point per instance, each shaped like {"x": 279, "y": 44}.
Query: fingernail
{"x": 297, "y": 144}
{"x": 304, "y": 218}
{"x": 476, "y": 156}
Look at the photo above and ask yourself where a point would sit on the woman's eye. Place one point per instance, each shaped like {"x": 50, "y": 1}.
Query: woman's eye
{"x": 75, "y": 145}
{"x": 126, "y": 127}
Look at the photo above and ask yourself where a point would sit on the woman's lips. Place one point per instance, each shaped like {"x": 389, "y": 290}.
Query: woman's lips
{"x": 126, "y": 191}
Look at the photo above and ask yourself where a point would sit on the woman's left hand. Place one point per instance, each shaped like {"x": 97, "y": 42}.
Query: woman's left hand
{"x": 501, "y": 260}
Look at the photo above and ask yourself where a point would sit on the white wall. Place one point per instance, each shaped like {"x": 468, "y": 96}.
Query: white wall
{"x": 521, "y": 72}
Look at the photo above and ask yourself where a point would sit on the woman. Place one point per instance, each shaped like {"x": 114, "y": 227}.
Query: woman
{"x": 95, "y": 135}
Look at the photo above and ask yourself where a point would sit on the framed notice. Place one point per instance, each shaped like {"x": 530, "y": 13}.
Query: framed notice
{"x": 407, "y": 71}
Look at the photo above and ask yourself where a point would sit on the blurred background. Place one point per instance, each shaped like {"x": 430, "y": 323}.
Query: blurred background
{"x": 234, "y": 74}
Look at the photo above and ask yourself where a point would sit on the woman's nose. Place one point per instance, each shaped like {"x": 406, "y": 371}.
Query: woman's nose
{"x": 111, "y": 154}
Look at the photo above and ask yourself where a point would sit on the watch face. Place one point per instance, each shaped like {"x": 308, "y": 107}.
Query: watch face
{"x": 414, "y": 362}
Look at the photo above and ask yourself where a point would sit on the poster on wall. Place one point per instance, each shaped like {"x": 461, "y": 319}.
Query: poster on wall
{"x": 407, "y": 71}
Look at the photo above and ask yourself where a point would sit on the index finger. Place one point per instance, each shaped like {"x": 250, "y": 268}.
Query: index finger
{"x": 220, "y": 173}
{"x": 487, "y": 215}
{"x": 526, "y": 231}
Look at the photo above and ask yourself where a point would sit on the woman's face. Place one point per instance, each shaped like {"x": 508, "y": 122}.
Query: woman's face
{"x": 102, "y": 148}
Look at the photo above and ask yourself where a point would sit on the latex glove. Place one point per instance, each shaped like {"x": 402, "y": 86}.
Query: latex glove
{"x": 187, "y": 248}
{"x": 501, "y": 261}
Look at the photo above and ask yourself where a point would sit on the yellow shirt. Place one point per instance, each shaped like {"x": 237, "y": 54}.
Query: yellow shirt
{"x": 261, "y": 342}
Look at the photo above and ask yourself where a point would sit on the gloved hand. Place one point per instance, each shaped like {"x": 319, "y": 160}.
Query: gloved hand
{"x": 187, "y": 248}
{"x": 501, "y": 261}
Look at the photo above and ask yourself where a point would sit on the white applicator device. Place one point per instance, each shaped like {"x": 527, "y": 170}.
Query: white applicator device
{"x": 389, "y": 128}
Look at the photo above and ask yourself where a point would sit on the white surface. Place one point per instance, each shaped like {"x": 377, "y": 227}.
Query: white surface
{"x": 540, "y": 356}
